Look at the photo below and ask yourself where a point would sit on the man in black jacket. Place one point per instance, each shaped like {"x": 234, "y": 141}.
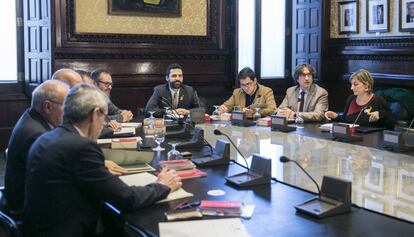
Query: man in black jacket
{"x": 67, "y": 182}
{"x": 44, "y": 114}
{"x": 173, "y": 94}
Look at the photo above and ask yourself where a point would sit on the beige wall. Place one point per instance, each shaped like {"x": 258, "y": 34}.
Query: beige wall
{"x": 92, "y": 17}
{"x": 362, "y": 4}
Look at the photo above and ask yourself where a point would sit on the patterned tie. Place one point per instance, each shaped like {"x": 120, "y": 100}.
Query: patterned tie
{"x": 175, "y": 100}
{"x": 302, "y": 101}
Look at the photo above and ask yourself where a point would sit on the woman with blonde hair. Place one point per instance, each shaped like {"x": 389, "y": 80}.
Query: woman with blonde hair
{"x": 376, "y": 111}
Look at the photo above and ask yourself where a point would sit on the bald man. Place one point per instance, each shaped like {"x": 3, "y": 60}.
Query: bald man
{"x": 68, "y": 76}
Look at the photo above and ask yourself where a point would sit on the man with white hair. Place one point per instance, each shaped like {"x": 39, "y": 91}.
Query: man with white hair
{"x": 44, "y": 114}
{"x": 67, "y": 182}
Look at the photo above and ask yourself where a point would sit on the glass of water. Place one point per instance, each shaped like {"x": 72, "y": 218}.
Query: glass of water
{"x": 159, "y": 136}
{"x": 299, "y": 120}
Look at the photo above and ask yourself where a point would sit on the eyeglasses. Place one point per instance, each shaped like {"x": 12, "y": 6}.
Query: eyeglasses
{"x": 305, "y": 74}
{"x": 248, "y": 84}
{"x": 107, "y": 84}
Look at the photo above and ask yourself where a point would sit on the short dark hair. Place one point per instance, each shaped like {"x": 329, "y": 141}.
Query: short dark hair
{"x": 96, "y": 74}
{"x": 246, "y": 72}
{"x": 171, "y": 67}
{"x": 299, "y": 70}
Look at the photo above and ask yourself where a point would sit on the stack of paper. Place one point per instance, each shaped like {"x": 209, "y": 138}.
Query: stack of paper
{"x": 204, "y": 228}
{"x": 143, "y": 179}
{"x": 265, "y": 122}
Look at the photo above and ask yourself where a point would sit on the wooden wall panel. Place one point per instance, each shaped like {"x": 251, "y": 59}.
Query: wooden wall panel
{"x": 138, "y": 62}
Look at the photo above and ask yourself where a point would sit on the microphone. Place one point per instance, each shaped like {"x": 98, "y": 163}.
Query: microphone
{"x": 218, "y": 132}
{"x": 334, "y": 199}
{"x": 360, "y": 112}
{"x": 409, "y": 127}
{"x": 284, "y": 159}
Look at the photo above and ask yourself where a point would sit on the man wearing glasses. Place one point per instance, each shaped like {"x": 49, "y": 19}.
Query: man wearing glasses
{"x": 44, "y": 114}
{"x": 306, "y": 98}
{"x": 103, "y": 81}
{"x": 251, "y": 95}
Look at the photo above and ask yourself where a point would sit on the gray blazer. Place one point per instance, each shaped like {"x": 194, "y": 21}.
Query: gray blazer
{"x": 316, "y": 102}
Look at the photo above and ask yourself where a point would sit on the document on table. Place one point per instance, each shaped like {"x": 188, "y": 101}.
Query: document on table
{"x": 125, "y": 130}
{"x": 143, "y": 179}
{"x": 203, "y": 228}
{"x": 135, "y": 125}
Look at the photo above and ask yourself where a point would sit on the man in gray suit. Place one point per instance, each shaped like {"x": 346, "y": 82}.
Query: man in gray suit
{"x": 306, "y": 98}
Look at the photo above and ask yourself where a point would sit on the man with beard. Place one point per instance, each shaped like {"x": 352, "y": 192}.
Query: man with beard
{"x": 173, "y": 94}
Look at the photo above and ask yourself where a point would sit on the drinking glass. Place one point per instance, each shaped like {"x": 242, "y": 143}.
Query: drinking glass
{"x": 299, "y": 120}
{"x": 174, "y": 154}
{"x": 216, "y": 111}
{"x": 257, "y": 114}
{"x": 151, "y": 122}
{"x": 159, "y": 137}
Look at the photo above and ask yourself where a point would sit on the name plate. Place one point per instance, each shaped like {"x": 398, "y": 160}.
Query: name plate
{"x": 279, "y": 120}
{"x": 341, "y": 130}
{"x": 393, "y": 139}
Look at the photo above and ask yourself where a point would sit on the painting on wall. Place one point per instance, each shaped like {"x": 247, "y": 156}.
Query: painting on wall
{"x": 156, "y": 8}
{"x": 378, "y": 16}
{"x": 348, "y": 17}
{"x": 407, "y": 15}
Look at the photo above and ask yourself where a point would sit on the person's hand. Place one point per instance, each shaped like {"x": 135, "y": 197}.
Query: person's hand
{"x": 223, "y": 109}
{"x": 286, "y": 112}
{"x": 114, "y": 125}
{"x": 170, "y": 178}
{"x": 249, "y": 112}
{"x": 114, "y": 168}
{"x": 127, "y": 115}
{"x": 330, "y": 115}
{"x": 182, "y": 111}
{"x": 373, "y": 116}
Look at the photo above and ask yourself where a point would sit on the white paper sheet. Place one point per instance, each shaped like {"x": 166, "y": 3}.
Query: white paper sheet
{"x": 203, "y": 228}
{"x": 143, "y": 179}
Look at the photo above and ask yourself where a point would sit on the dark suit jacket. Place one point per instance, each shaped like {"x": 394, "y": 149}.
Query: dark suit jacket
{"x": 67, "y": 183}
{"x": 187, "y": 99}
{"x": 408, "y": 18}
{"x": 114, "y": 113}
{"x": 29, "y": 127}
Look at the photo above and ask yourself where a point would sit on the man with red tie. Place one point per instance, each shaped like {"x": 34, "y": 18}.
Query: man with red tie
{"x": 306, "y": 98}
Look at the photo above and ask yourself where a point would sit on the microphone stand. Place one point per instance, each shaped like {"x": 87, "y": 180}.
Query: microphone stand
{"x": 334, "y": 198}
{"x": 258, "y": 173}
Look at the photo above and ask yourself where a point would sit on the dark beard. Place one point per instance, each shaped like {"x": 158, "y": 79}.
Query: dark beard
{"x": 175, "y": 84}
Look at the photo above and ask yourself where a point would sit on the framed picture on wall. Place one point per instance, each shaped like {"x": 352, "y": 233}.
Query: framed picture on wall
{"x": 406, "y": 15}
{"x": 378, "y": 16}
{"x": 156, "y": 8}
{"x": 348, "y": 17}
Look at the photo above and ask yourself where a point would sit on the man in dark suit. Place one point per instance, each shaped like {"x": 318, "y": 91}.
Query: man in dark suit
{"x": 67, "y": 181}
{"x": 173, "y": 94}
{"x": 44, "y": 114}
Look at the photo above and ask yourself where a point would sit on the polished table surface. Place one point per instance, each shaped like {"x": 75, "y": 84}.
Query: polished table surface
{"x": 382, "y": 181}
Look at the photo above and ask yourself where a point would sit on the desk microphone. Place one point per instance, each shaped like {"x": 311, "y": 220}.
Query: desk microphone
{"x": 334, "y": 199}
{"x": 284, "y": 159}
{"x": 218, "y": 132}
{"x": 197, "y": 134}
{"x": 360, "y": 112}
{"x": 259, "y": 172}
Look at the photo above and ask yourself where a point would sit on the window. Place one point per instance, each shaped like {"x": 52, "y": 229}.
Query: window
{"x": 8, "y": 41}
{"x": 269, "y": 62}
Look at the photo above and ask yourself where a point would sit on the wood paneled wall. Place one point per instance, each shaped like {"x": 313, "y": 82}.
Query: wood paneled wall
{"x": 138, "y": 62}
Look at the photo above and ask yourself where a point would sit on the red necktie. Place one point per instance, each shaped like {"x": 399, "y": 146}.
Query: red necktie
{"x": 302, "y": 101}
